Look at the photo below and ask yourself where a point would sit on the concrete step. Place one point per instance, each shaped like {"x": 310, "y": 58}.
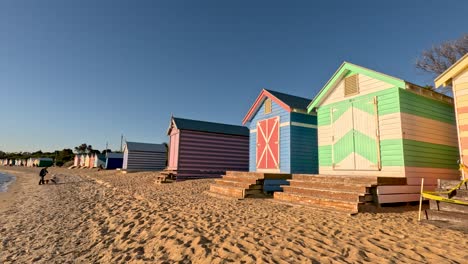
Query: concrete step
{"x": 453, "y": 217}
{"x": 224, "y": 182}
{"x": 448, "y": 207}
{"x": 328, "y": 194}
{"x": 320, "y": 203}
{"x": 350, "y": 187}
{"x": 229, "y": 191}
{"x": 449, "y": 184}
{"x": 244, "y": 179}
{"x": 367, "y": 180}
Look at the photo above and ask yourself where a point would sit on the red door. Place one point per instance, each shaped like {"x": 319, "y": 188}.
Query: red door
{"x": 268, "y": 144}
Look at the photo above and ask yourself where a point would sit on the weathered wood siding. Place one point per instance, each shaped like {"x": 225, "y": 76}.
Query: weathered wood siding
{"x": 203, "y": 154}
{"x": 144, "y": 160}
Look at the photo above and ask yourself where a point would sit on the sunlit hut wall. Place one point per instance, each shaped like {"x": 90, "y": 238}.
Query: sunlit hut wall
{"x": 144, "y": 156}
{"x": 91, "y": 160}
{"x": 283, "y": 136}
{"x": 457, "y": 77}
{"x": 371, "y": 123}
{"x": 200, "y": 149}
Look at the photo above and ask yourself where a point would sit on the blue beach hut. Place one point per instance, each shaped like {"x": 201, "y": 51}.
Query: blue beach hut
{"x": 283, "y": 136}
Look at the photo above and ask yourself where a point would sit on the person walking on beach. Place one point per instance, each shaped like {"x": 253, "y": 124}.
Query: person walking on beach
{"x": 42, "y": 174}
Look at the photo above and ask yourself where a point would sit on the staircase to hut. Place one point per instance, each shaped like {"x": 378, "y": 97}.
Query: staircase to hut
{"x": 444, "y": 213}
{"x": 348, "y": 194}
{"x": 237, "y": 184}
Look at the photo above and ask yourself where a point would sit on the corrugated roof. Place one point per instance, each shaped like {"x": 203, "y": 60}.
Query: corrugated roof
{"x": 196, "y": 125}
{"x": 148, "y": 147}
{"x": 291, "y": 100}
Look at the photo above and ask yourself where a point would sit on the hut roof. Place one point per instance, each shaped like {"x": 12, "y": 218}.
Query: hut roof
{"x": 147, "y": 147}
{"x": 203, "y": 126}
{"x": 286, "y": 101}
{"x": 445, "y": 78}
{"x": 347, "y": 68}
{"x": 111, "y": 155}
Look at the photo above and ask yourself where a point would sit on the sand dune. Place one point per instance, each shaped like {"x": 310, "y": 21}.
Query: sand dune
{"x": 106, "y": 217}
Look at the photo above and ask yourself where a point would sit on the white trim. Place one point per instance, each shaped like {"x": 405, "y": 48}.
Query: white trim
{"x": 253, "y": 131}
{"x": 303, "y": 125}
{"x": 285, "y": 124}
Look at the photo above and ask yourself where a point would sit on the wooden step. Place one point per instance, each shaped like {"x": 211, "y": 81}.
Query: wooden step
{"x": 446, "y": 216}
{"x": 330, "y": 186}
{"x": 328, "y": 194}
{"x": 367, "y": 180}
{"x": 449, "y": 184}
{"x": 259, "y": 175}
{"x": 459, "y": 194}
{"x": 229, "y": 191}
{"x": 448, "y": 207}
{"x": 244, "y": 179}
{"x": 321, "y": 203}
{"x": 224, "y": 182}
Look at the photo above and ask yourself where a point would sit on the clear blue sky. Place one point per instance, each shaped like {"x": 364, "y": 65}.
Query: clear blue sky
{"x": 87, "y": 71}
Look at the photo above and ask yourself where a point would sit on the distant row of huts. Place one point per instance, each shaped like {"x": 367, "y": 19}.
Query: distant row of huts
{"x": 31, "y": 162}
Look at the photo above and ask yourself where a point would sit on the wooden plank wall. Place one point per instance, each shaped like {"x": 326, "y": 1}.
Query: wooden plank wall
{"x": 285, "y": 135}
{"x": 460, "y": 86}
{"x": 201, "y": 153}
{"x": 144, "y": 160}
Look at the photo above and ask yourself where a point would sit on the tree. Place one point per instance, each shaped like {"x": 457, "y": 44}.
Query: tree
{"x": 81, "y": 149}
{"x": 438, "y": 59}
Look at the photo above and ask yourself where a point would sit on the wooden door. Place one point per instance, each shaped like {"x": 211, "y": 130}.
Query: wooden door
{"x": 355, "y": 135}
{"x": 268, "y": 144}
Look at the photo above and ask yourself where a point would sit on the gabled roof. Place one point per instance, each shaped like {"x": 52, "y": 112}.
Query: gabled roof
{"x": 203, "y": 126}
{"x": 342, "y": 71}
{"x": 286, "y": 101}
{"x": 445, "y": 78}
{"x": 148, "y": 147}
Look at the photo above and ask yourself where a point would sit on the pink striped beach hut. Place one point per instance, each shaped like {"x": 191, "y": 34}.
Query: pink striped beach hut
{"x": 200, "y": 149}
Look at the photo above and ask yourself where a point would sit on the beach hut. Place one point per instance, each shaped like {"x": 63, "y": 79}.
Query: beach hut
{"x": 199, "y": 149}
{"x": 283, "y": 136}
{"x": 100, "y": 161}
{"x": 91, "y": 160}
{"x": 114, "y": 160}
{"x": 82, "y": 160}
{"x": 76, "y": 160}
{"x": 144, "y": 156}
{"x": 457, "y": 77}
{"x": 370, "y": 123}
{"x": 44, "y": 162}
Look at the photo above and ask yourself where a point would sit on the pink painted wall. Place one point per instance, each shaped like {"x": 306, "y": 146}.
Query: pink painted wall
{"x": 173, "y": 149}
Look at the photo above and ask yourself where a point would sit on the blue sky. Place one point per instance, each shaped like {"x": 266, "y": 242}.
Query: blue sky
{"x": 87, "y": 71}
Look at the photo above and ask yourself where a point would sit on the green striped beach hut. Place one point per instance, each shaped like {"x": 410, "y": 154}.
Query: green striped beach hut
{"x": 370, "y": 123}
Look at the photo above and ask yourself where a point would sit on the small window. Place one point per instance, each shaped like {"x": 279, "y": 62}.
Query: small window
{"x": 268, "y": 106}
{"x": 351, "y": 85}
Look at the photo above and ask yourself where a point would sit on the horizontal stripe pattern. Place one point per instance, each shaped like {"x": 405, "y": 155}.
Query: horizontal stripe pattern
{"x": 199, "y": 151}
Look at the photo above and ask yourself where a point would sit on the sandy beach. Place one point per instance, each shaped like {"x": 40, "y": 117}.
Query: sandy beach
{"x": 109, "y": 217}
